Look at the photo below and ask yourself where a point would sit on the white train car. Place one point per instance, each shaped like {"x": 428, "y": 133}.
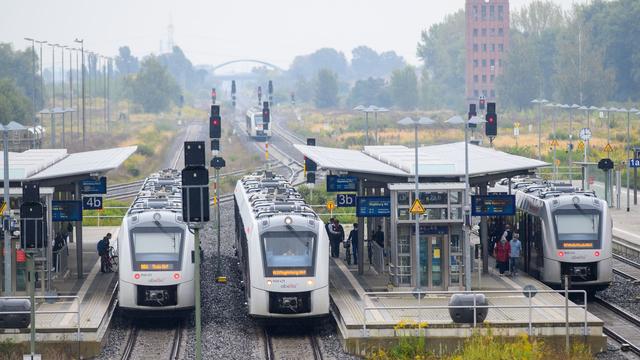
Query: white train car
{"x": 283, "y": 250}
{"x": 155, "y": 248}
{"x": 255, "y": 126}
{"x": 563, "y": 232}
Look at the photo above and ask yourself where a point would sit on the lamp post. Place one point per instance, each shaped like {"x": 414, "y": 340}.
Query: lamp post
{"x": 53, "y": 88}
{"x": 376, "y": 110}
{"x": 573, "y": 107}
{"x": 33, "y": 88}
{"x": 8, "y": 251}
{"x": 81, "y": 42}
{"x": 467, "y": 219}
{"x": 628, "y": 111}
{"x": 553, "y": 131}
{"x": 540, "y": 102}
{"x": 62, "y": 47}
{"x": 421, "y": 121}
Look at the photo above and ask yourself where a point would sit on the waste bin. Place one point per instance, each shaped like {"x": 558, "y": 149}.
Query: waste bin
{"x": 15, "y": 321}
{"x": 464, "y": 315}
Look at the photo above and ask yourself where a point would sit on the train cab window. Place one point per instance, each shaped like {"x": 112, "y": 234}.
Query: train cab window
{"x": 577, "y": 229}
{"x": 157, "y": 249}
{"x": 289, "y": 253}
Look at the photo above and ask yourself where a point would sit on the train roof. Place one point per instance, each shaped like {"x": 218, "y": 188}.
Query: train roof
{"x": 160, "y": 191}
{"x": 542, "y": 189}
{"x": 270, "y": 194}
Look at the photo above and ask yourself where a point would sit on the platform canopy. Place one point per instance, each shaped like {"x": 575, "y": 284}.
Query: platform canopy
{"x": 49, "y": 164}
{"x": 445, "y": 161}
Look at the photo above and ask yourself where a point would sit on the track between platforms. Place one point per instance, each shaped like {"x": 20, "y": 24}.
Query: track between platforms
{"x": 286, "y": 347}
{"x": 145, "y": 343}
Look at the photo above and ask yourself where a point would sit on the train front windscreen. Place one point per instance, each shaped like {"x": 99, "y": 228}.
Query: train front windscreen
{"x": 577, "y": 229}
{"x": 289, "y": 253}
{"x": 157, "y": 249}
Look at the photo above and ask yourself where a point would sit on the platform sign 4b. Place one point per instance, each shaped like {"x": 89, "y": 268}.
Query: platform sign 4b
{"x": 417, "y": 208}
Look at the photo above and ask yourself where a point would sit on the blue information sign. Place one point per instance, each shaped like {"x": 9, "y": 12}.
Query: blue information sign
{"x": 634, "y": 163}
{"x": 493, "y": 205}
{"x": 373, "y": 206}
{"x": 346, "y": 200}
{"x": 92, "y": 203}
{"x": 94, "y": 186}
{"x": 337, "y": 183}
{"x": 66, "y": 210}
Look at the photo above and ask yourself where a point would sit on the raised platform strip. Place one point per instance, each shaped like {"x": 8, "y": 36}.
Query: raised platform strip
{"x": 390, "y": 314}
{"x": 95, "y": 294}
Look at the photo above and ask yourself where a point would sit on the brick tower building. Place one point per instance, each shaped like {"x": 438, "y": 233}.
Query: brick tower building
{"x": 487, "y": 41}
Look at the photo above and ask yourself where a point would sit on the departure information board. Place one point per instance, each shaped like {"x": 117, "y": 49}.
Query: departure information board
{"x": 493, "y": 205}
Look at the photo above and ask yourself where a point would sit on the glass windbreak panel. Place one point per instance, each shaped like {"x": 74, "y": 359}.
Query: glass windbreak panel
{"x": 455, "y": 197}
{"x": 404, "y": 239}
{"x": 403, "y": 198}
{"x": 289, "y": 253}
{"x": 577, "y": 229}
{"x": 424, "y": 263}
{"x": 258, "y": 119}
{"x": 436, "y": 214}
{"x": 433, "y": 198}
{"x": 436, "y": 261}
{"x": 403, "y": 214}
{"x": 157, "y": 249}
{"x": 455, "y": 244}
{"x": 456, "y": 213}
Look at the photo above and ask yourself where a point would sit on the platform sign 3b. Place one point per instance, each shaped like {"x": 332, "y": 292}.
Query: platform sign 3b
{"x": 346, "y": 200}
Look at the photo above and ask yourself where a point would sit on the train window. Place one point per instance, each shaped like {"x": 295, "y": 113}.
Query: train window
{"x": 289, "y": 253}
{"x": 577, "y": 229}
{"x": 157, "y": 249}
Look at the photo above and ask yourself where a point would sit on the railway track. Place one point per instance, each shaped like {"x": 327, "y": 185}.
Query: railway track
{"x": 146, "y": 343}
{"x": 620, "y": 325}
{"x": 290, "y": 347}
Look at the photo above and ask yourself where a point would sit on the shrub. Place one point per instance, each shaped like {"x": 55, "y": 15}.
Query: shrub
{"x": 145, "y": 150}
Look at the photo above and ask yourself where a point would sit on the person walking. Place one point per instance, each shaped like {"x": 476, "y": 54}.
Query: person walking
{"x": 501, "y": 253}
{"x": 103, "y": 252}
{"x": 353, "y": 239}
{"x": 514, "y": 254}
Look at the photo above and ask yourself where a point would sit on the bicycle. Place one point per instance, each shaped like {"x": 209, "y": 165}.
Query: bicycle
{"x": 113, "y": 259}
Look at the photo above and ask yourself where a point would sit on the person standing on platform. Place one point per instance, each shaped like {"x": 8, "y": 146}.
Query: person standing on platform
{"x": 334, "y": 237}
{"x": 103, "y": 252}
{"x": 353, "y": 239}
{"x": 501, "y": 253}
{"x": 514, "y": 254}
{"x": 339, "y": 236}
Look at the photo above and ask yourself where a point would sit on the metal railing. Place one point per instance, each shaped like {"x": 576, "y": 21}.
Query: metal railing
{"x": 61, "y": 257}
{"x": 47, "y": 298}
{"x": 377, "y": 256}
{"x": 419, "y": 295}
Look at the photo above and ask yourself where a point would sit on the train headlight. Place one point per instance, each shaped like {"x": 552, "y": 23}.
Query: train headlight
{"x": 269, "y": 282}
{"x": 157, "y": 216}
{"x": 176, "y": 276}
{"x": 561, "y": 253}
{"x": 136, "y": 276}
{"x": 310, "y": 282}
{"x": 597, "y": 253}
{"x": 288, "y": 220}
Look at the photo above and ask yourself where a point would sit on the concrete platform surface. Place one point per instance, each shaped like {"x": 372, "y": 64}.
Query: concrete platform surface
{"x": 396, "y": 313}
{"x": 93, "y": 295}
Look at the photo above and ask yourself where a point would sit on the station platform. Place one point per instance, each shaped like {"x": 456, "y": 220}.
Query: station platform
{"x": 94, "y": 295}
{"x": 396, "y": 312}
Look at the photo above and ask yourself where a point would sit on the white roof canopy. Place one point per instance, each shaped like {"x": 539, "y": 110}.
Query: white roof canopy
{"x": 446, "y": 160}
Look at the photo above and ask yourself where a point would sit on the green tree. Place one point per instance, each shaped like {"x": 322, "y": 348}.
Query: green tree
{"x": 366, "y": 63}
{"x": 307, "y": 66}
{"x": 18, "y": 66}
{"x": 14, "y": 105}
{"x": 519, "y": 83}
{"x": 326, "y": 89}
{"x": 153, "y": 87}
{"x": 442, "y": 49}
{"x": 370, "y": 91}
{"x": 126, "y": 63}
{"x": 404, "y": 88}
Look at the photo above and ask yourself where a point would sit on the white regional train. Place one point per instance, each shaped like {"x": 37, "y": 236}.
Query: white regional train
{"x": 563, "y": 232}
{"x": 155, "y": 249}
{"x": 283, "y": 249}
{"x": 255, "y": 125}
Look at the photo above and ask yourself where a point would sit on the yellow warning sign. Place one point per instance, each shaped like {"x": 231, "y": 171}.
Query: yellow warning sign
{"x": 417, "y": 207}
{"x": 608, "y": 148}
{"x": 581, "y": 145}
{"x": 330, "y": 205}
{"x": 516, "y": 124}
{"x": 557, "y": 162}
{"x": 554, "y": 142}
{"x": 3, "y": 207}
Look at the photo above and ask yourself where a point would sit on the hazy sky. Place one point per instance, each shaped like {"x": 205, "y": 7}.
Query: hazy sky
{"x": 214, "y": 31}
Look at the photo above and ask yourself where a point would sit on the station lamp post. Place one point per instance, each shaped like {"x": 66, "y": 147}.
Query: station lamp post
{"x": 376, "y": 110}
{"x": 81, "y": 42}
{"x": 553, "y": 130}
{"x": 366, "y": 110}
{"x": 630, "y": 155}
{"x": 539, "y": 102}
{"x": 33, "y": 88}
{"x": 475, "y": 120}
{"x": 411, "y": 122}
{"x": 571, "y": 108}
